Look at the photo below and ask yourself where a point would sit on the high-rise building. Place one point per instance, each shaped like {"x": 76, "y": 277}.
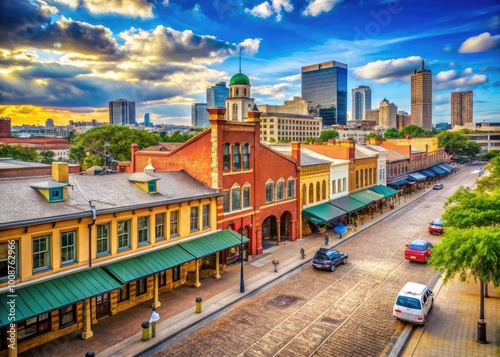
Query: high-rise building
{"x": 147, "y": 121}
{"x": 199, "y": 115}
{"x": 372, "y": 114}
{"x": 122, "y": 112}
{"x": 324, "y": 86}
{"x": 461, "y": 108}
{"x": 216, "y": 95}
{"x": 361, "y": 101}
{"x": 387, "y": 114}
{"x": 421, "y": 98}
{"x": 402, "y": 119}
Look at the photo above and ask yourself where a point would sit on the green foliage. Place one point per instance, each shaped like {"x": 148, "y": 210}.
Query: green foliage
{"x": 415, "y": 132}
{"x": 375, "y": 136}
{"x": 471, "y": 243}
{"x": 457, "y": 144}
{"x": 392, "y": 133}
{"x": 17, "y": 152}
{"x": 176, "y": 137}
{"x": 491, "y": 154}
{"x": 47, "y": 157}
{"x": 285, "y": 141}
{"x": 119, "y": 139}
{"x": 327, "y": 135}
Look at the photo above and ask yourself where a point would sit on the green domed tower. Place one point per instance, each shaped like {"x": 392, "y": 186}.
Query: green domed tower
{"x": 239, "y": 102}
{"x": 239, "y": 78}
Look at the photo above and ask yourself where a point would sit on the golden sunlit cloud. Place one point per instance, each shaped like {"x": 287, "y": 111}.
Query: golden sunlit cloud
{"x": 35, "y": 115}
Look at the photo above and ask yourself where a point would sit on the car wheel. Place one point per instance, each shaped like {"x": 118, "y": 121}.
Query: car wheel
{"x": 332, "y": 268}
{"x": 344, "y": 261}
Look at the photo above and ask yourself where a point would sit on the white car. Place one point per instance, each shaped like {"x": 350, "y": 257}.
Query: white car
{"x": 413, "y": 303}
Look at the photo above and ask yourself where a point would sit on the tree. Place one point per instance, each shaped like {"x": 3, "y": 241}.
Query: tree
{"x": 457, "y": 144}
{"x": 47, "y": 157}
{"x": 17, "y": 152}
{"x": 415, "y": 131}
{"x": 392, "y": 133}
{"x": 327, "y": 135}
{"x": 372, "y": 135}
{"x": 491, "y": 154}
{"x": 119, "y": 139}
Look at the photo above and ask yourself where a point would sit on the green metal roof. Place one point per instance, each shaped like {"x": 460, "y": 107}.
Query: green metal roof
{"x": 348, "y": 204}
{"x": 239, "y": 78}
{"x": 366, "y": 196}
{"x": 384, "y": 190}
{"x": 324, "y": 211}
{"x": 54, "y": 294}
{"x": 148, "y": 264}
{"x": 212, "y": 243}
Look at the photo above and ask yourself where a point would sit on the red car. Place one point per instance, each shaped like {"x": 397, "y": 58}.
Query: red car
{"x": 418, "y": 251}
{"x": 436, "y": 227}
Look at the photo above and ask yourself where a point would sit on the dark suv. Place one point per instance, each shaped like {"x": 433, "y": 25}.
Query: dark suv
{"x": 328, "y": 259}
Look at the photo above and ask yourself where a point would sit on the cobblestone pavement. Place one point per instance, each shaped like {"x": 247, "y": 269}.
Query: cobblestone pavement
{"x": 347, "y": 312}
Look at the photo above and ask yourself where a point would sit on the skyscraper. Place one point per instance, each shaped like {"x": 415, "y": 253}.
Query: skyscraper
{"x": 461, "y": 108}
{"x": 387, "y": 114}
{"x": 122, "y": 112}
{"x": 199, "y": 115}
{"x": 216, "y": 95}
{"x": 361, "y": 101}
{"x": 421, "y": 98}
{"x": 324, "y": 85}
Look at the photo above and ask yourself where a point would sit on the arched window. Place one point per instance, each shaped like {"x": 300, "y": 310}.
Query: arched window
{"x": 246, "y": 156}
{"x": 280, "y": 190}
{"x": 334, "y": 187}
{"x": 370, "y": 177}
{"x": 318, "y": 192}
{"x": 235, "y": 197}
{"x": 226, "y": 157}
{"x": 344, "y": 184}
{"x": 269, "y": 191}
{"x": 357, "y": 179}
{"x": 290, "y": 188}
{"x": 304, "y": 195}
{"x": 246, "y": 195}
{"x": 323, "y": 191}
{"x": 236, "y": 157}
{"x": 340, "y": 186}
{"x": 311, "y": 193}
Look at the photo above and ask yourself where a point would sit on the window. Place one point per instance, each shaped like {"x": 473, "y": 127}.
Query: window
{"x": 152, "y": 187}
{"x": 162, "y": 278}
{"x": 8, "y": 250}
{"x": 236, "y": 157}
{"x": 174, "y": 223}
{"x": 41, "y": 253}
{"x": 290, "y": 185}
{"x": 160, "y": 226}
{"x": 141, "y": 286}
{"x": 176, "y": 273}
{"x": 67, "y": 316}
{"x": 269, "y": 192}
{"x": 56, "y": 194}
{"x": 318, "y": 197}
{"x": 235, "y": 199}
{"x": 102, "y": 238}
{"x": 304, "y": 195}
{"x": 323, "y": 190}
{"x": 226, "y": 156}
{"x": 33, "y": 327}
{"x": 143, "y": 230}
{"x": 340, "y": 186}
{"x": 68, "y": 247}
{"x": 225, "y": 197}
{"x": 280, "y": 190}
{"x": 334, "y": 187}
{"x": 246, "y": 156}
{"x": 124, "y": 293}
{"x": 205, "y": 216}
{"x": 193, "y": 219}
{"x": 102, "y": 305}
{"x": 311, "y": 193}
{"x": 123, "y": 234}
{"x": 344, "y": 183}
{"x": 246, "y": 196}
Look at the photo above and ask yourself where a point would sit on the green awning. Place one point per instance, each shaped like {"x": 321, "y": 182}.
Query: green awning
{"x": 384, "y": 190}
{"x": 367, "y": 197}
{"x": 324, "y": 211}
{"x": 348, "y": 204}
{"x": 213, "y": 243}
{"x": 54, "y": 294}
{"x": 149, "y": 263}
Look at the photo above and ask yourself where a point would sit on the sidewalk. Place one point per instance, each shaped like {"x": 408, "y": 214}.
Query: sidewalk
{"x": 121, "y": 334}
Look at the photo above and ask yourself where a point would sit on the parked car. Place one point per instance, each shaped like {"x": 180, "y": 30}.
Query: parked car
{"x": 328, "y": 259}
{"x": 438, "y": 186}
{"x": 436, "y": 227}
{"x": 418, "y": 250}
{"x": 413, "y": 303}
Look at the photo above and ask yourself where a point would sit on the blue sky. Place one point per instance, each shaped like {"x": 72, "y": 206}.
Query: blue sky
{"x": 66, "y": 59}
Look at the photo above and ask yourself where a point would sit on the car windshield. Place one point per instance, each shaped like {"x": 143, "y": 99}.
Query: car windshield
{"x": 417, "y": 247}
{"x": 408, "y": 302}
{"x": 321, "y": 256}
{"x": 437, "y": 222}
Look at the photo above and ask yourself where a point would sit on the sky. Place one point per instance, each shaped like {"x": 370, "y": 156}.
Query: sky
{"x": 66, "y": 59}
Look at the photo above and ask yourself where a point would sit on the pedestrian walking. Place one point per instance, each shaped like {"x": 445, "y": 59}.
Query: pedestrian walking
{"x": 303, "y": 253}
{"x": 327, "y": 238}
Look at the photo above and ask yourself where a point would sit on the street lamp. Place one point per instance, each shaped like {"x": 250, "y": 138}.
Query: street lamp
{"x": 106, "y": 145}
{"x": 242, "y": 281}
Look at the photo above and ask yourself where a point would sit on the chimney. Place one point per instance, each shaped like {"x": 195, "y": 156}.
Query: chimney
{"x": 216, "y": 113}
{"x": 60, "y": 171}
{"x": 296, "y": 152}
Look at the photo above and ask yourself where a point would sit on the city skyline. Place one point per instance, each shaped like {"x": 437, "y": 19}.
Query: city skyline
{"x": 66, "y": 59}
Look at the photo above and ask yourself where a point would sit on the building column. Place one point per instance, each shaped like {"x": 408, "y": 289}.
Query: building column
{"x": 278, "y": 233}
{"x": 197, "y": 283}
{"x": 156, "y": 301}
{"x": 87, "y": 324}
{"x": 217, "y": 272}
{"x": 12, "y": 340}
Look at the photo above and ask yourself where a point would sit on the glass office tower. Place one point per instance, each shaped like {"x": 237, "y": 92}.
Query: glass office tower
{"x": 216, "y": 95}
{"x": 324, "y": 86}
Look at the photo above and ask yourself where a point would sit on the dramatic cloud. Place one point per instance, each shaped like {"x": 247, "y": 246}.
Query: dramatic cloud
{"x": 389, "y": 70}
{"x": 480, "y": 43}
{"x": 276, "y": 91}
{"x": 446, "y": 80}
{"x": 317, "y": 7}
{"x": 294, "y": 78}
{"x": 265, "y": 10}
{"x": 129, "y": 8}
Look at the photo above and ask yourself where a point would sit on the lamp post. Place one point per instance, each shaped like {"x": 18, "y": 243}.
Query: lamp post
{"x": 242, "y": 281}
{"x": 106, "y": 145}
